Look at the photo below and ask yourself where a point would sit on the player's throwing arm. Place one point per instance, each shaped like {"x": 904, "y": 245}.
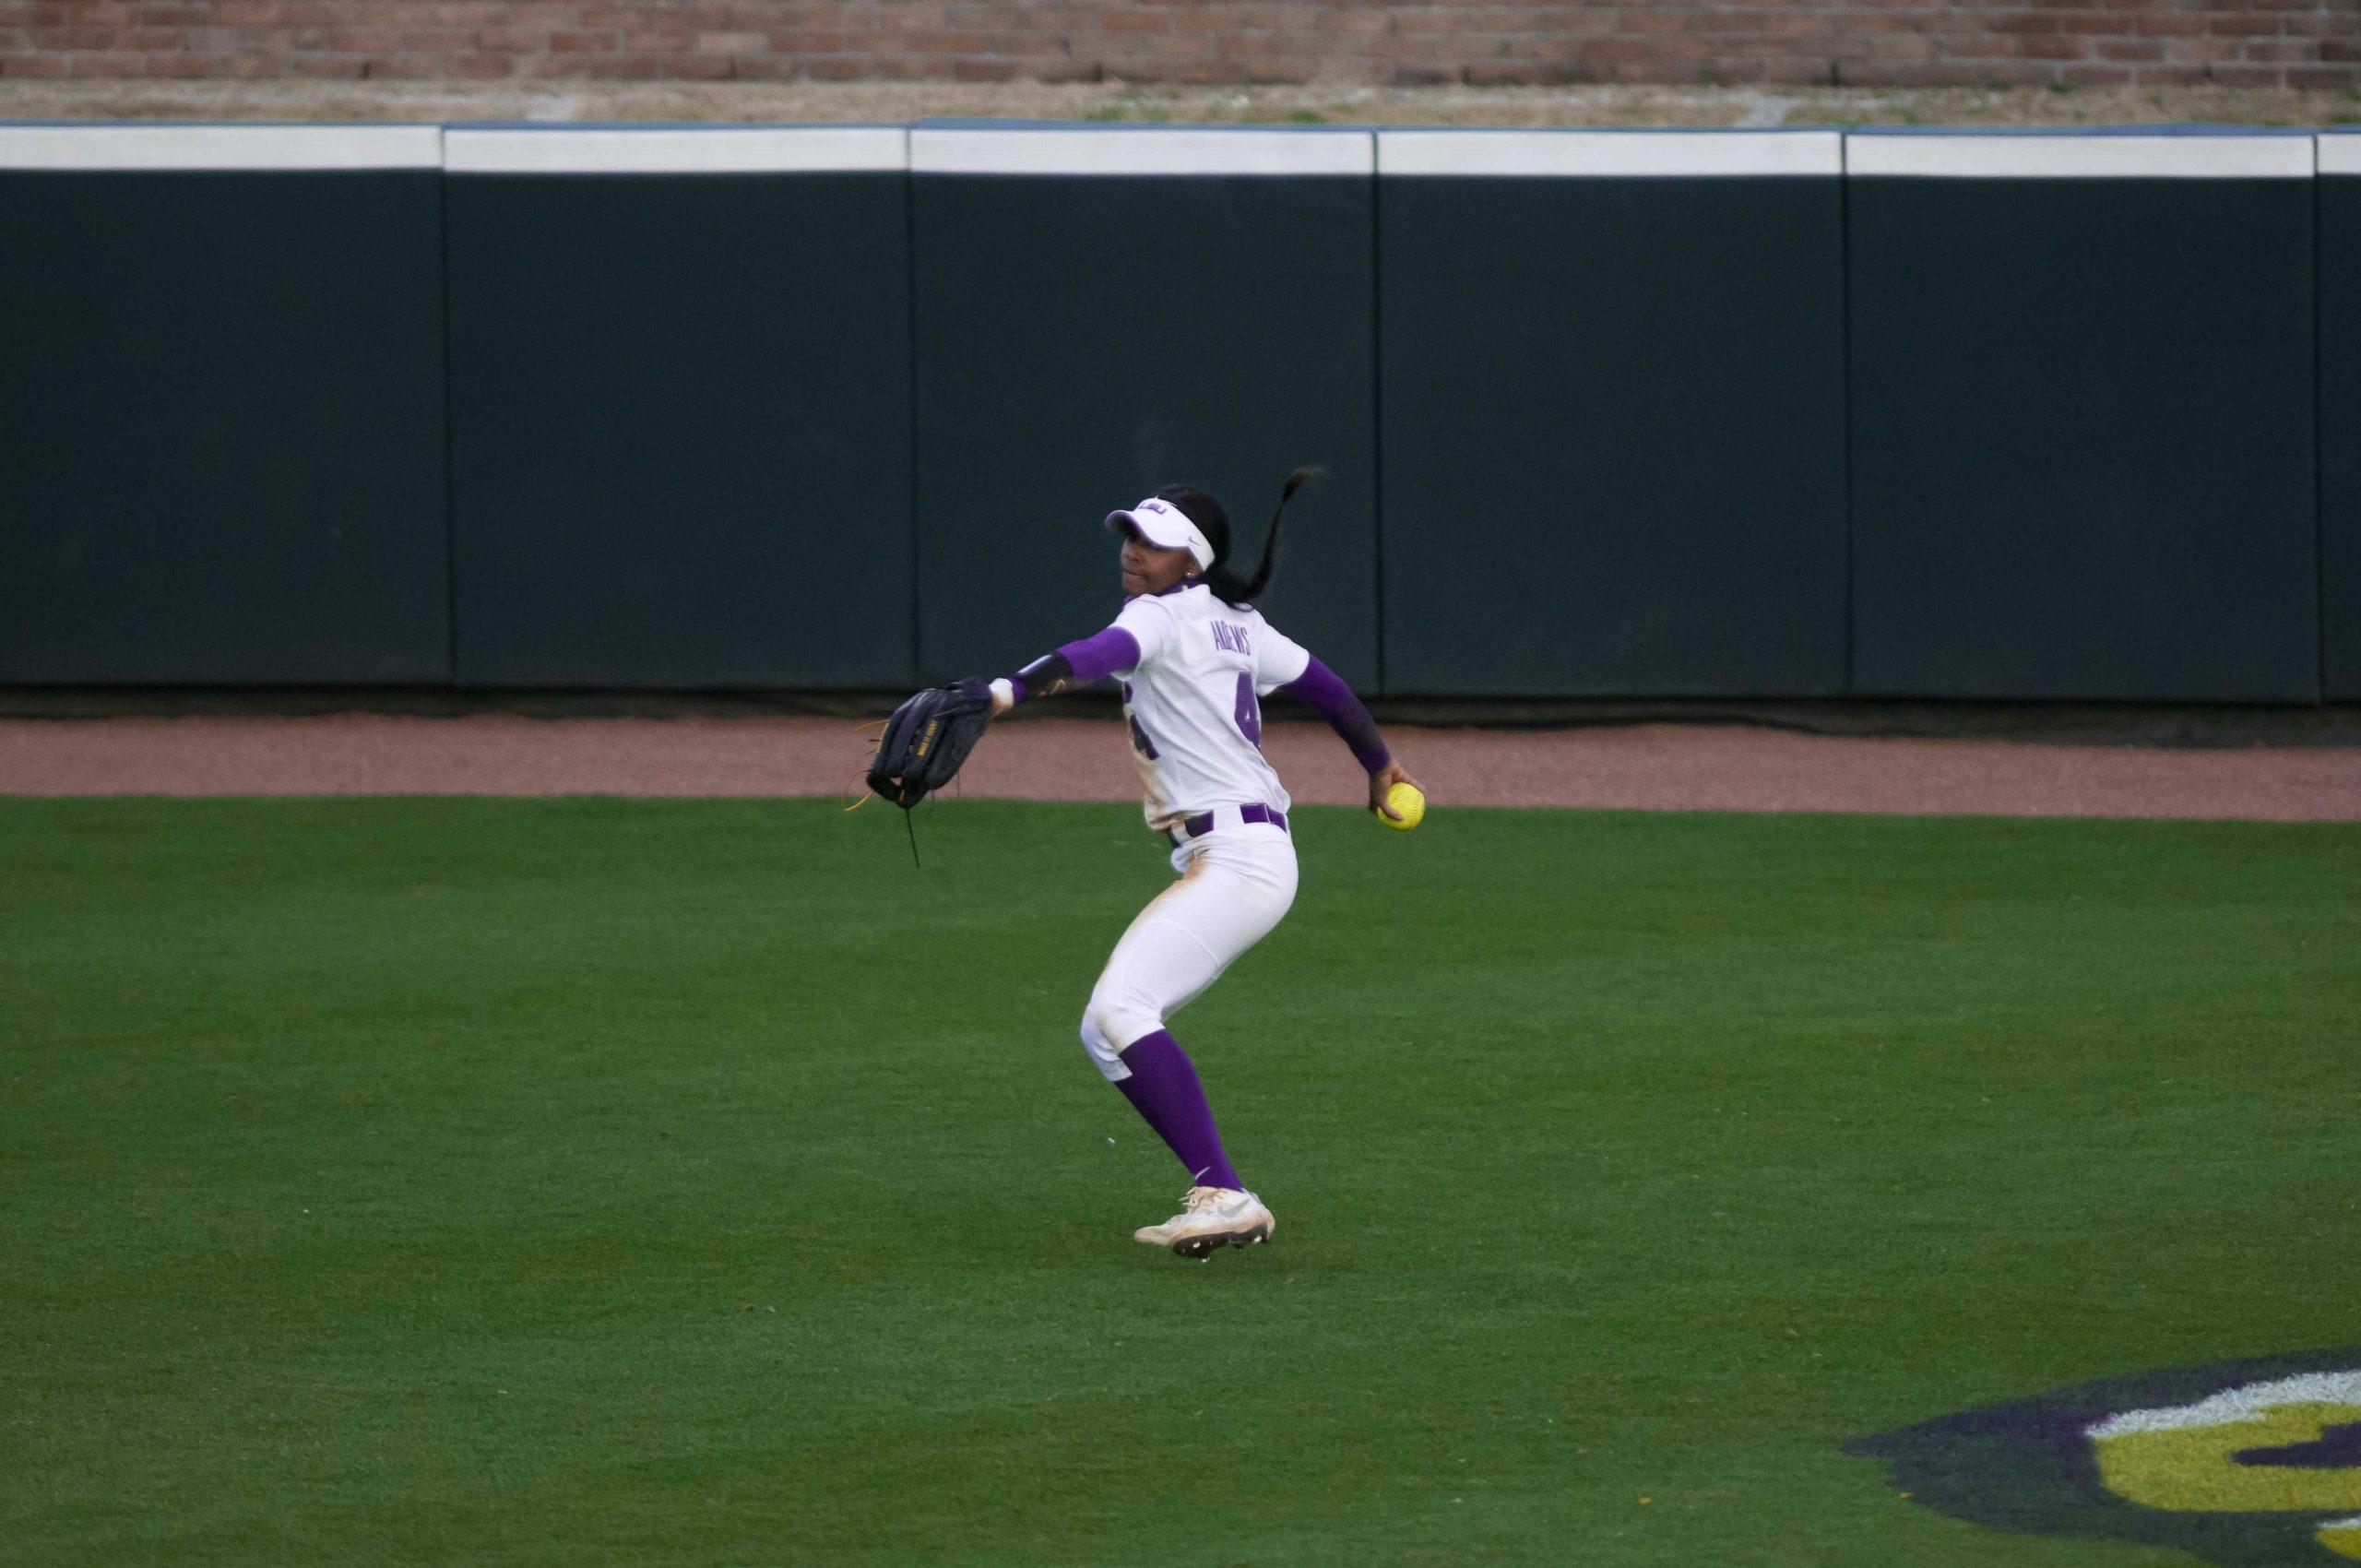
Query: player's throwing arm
{"x": 1195, "y": 659}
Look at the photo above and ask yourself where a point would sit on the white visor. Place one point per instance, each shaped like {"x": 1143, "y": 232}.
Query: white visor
{"x": 1164, "y": 526}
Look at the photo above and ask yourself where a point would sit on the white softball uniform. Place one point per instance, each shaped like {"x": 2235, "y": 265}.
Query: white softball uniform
{"x": 1192, "y": 704}
{"x": 1193, "y": 701}
{"x": 1235, "y": 883}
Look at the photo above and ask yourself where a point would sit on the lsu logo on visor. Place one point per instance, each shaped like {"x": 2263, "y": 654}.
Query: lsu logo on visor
{"x": 2244, "y": 1463}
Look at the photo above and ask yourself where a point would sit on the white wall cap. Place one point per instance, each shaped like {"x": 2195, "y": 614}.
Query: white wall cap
{"x": 2340, "y": 154}
{"x": 1588, "y": 153}
{"x": 2081, "y": 156}
{"x": 1144, "y": 150}
{"x": 721, "y": 149}
{"x": 127, "y": 147}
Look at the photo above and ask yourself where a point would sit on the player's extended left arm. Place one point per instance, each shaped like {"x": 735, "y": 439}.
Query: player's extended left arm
{"x": 1073, "y": 664}
{"x": 1326, "y": 692}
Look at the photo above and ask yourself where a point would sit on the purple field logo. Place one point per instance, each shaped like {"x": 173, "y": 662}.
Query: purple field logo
{"x": 2247, "y": 1464}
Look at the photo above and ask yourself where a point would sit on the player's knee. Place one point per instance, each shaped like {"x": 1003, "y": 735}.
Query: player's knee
{"x": 1107, "y": 1026}
{"x": 1103, "y": 1054}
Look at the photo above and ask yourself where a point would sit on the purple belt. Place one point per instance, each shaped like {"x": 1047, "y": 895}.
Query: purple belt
{"x": 1202, "y": 824}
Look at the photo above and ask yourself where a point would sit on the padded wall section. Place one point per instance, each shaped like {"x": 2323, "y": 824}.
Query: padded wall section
{"x": 1100, "y": 313}
{"x": 2082, "y": 418}
{"x": 1613, "y": 407}
{"x": 681, "y": 408}
{"x": 2339, "y": 348}
{"x": 221, "y": 421}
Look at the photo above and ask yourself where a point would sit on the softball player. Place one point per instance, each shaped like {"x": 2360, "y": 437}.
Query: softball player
{"x": 1195, "y": 659}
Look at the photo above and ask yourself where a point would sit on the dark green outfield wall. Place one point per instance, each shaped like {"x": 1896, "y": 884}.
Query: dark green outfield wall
{"x": 221, "y": 414}
{"x": 1096, "y": 317}
{"x": 1614, "y": 414}
{"x": 680, "y": 395}
{"x": 1605, "y": 413}
{"x": 2083, "y": 420}
{"x": 2340, "y": 423}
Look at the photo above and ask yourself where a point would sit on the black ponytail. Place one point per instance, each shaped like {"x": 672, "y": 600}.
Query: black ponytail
{"x": 1214, "y": 523}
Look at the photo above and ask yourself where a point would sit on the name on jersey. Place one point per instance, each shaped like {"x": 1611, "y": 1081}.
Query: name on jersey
{"x": 1231, "y": 638}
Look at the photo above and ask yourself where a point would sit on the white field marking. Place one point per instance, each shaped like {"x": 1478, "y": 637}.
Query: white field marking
{"x": 733, "y": 149}
{"x": 2246, "y": 1403}
{"x": 2082, "y": 156}
{"x": 1611, "y": 153}
{"x": 2340, "y": 154}
{"x": 1143, "y": 150}
{"x": 220, "y": 146}
{"x": 2352, "y": 1523}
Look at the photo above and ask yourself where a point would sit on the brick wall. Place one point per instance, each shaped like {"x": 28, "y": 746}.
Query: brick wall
{"x": 2300, "y": 44}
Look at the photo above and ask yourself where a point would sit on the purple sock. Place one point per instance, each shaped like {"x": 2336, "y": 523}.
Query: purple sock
{"x": 1163, "y": 1087}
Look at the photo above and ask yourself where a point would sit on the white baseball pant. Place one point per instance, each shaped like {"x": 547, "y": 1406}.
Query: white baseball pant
{"x": 1235, "y": 884}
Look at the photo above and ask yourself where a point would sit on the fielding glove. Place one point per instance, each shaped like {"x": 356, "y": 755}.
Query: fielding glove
{"x": 927, "y": 739}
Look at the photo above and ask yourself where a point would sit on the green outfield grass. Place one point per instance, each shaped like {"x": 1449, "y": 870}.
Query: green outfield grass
{"x": 694, "y": 1183}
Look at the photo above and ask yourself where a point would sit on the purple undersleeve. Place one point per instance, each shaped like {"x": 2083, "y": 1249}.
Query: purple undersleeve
{"x": 1093, "y": 657}
{"x": 1325, "y": 690}
{"x": 1102, "y": 654}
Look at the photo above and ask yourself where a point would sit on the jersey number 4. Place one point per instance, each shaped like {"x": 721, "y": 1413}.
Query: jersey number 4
{"x": 1250, "y": 712}
{"x": 1250, "y": 719}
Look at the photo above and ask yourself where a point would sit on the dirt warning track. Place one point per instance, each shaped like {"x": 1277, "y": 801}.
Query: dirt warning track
{"x": 1646, "y": 766}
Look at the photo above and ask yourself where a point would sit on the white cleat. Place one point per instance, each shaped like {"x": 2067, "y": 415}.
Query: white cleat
{"x": 1210, "y": 1219}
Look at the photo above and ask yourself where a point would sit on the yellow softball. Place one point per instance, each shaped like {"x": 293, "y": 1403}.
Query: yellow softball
{"x": 1410, "y": 801}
